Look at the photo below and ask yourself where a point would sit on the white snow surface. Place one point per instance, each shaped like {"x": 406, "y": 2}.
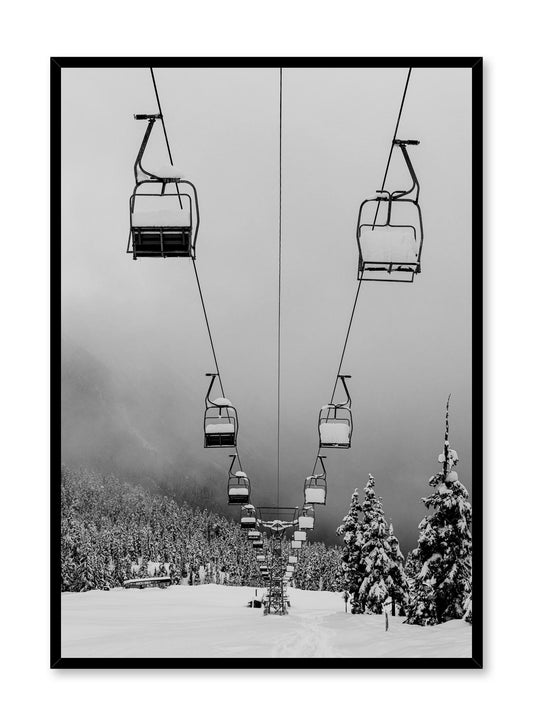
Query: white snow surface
{"x": 213, "y": 621}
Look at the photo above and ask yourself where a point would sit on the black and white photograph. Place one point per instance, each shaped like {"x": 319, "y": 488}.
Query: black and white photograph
{"x": 267, "y": 362}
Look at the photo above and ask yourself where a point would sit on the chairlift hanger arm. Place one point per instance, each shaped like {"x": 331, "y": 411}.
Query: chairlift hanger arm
{"x": 319, "y": 460}
{"x": 208, "y": 401}
{"x": 348, "y": 402}
{"x": 415, "y": 186}
{"x": 138, "y": 161}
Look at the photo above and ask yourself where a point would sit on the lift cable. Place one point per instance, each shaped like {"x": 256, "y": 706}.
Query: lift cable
{"x": 193, "y": 261}
{"x": 393, "y": 140}
{"x": 279, "y": 271}
{"x": 375, "y": 218}
{"x": 165, "y": 131}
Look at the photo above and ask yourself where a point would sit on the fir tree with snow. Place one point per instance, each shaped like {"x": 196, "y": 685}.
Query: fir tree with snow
{"x": 397, "y": 583}
{"x": 375, "y": 553}
{"x": 351, "y": 532}
{"x": 444, "y": 551}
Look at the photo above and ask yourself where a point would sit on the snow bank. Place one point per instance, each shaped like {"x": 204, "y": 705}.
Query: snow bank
{"x": 213, "y": 621}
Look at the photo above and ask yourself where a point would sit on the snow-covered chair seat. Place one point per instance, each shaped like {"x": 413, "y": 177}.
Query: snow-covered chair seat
{"x": 382, "y": 247}
{"x": 220, "y": 428}
{"x": 293, "y": 559}
{"x": 300, "y": 536}
{"x": 296, "y": 544}
{"x": 163, "y": 171}
{"x": 315, "y": 495}
{"x": 306, "y": 522}
{"x": 224, "y": 403}
{"x": 160, "y": 218}
{"x": 334, "y": 433}
{"x": 238, "y": 491}
{"x": 247, "y": 521}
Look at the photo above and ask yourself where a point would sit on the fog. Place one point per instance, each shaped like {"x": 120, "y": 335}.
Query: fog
{"x": 410, "y": 344}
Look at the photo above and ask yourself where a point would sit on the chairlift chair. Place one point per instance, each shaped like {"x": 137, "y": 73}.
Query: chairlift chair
{"x": 238, "y": 485}
{"x": 162, "y": 223}
{"x": 248, "y": 518}
{"x": 257, "y": 544}
{"x": 290, "y": 568}
{"x": 335, "y": 422}
{"x": 293, "y": 559}
{"x": 300, "y": 536}
{"x": 390, "y": 249}
{"x": 254, "y": 535}
{"x": 315, "y": 487}
{"x": 220, "y": 420}
{"x": 296, "y": 544}
{"x": 306, "y": 520}
{"x": 260, "y": 557}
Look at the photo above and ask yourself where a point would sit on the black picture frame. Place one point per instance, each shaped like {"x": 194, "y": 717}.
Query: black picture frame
{"x": 476, "y": 66}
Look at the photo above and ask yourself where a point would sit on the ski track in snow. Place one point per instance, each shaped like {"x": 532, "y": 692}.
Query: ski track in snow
{"x": 308, "y": 638}
{"x": 213, "y": 621}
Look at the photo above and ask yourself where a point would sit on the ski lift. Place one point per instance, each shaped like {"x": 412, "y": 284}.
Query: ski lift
{"x": 257, "y": 544}
{"x": 260, "y": 557}
{"x": 300, "y": 536}
{"x": 306, "y": 520}
{"x": 254, "y": 535}
{"x": 248, "y": 518}
{"x": 296, "y": 544}
{"x": 335, "y": 422}
{"x": 238, "y": 485}
{"x": 293, "y": 559}
{"x": 315, "y": 487}
{"x": 220, "y": 420}
{"x": 390, "y": 250}
{"x": 290, "y": 568}
{"x": 162, "y": 223}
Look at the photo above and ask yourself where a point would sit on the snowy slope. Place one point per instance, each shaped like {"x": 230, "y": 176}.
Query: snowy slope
{"x": 212, "y": 621}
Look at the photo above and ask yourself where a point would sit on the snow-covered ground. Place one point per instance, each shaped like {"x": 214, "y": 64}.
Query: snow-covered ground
{"x": 213, "y": 621}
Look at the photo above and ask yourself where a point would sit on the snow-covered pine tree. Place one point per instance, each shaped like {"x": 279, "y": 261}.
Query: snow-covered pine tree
{"x": 444, "y": 551}
{"x": 376, "y": 560}
{"x": 351, "y": 532}
{"x": 397, "y": 582}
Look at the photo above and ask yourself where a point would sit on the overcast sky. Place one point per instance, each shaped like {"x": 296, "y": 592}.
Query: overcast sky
{"x": 410, "y": 344}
